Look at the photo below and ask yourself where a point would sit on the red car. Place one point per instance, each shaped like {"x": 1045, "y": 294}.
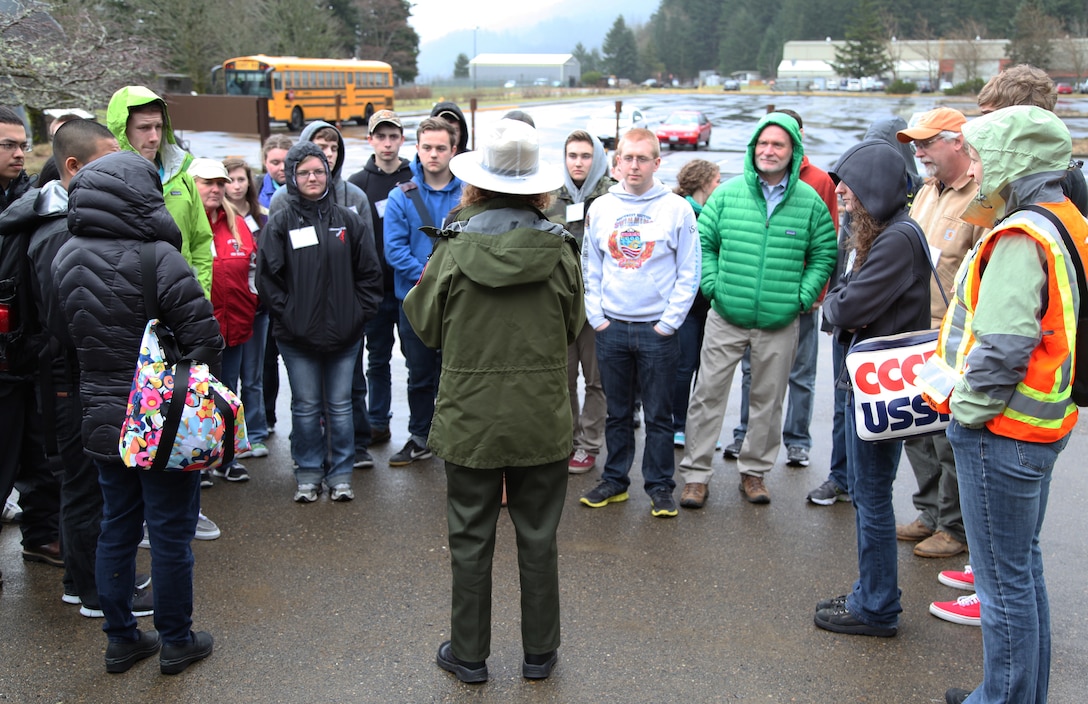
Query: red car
{"x": 1064, "y": 89}
{"x": 685, "y": 127}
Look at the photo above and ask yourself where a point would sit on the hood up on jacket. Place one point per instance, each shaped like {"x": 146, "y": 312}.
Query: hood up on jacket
{"x": 597, "y": 171}
{"x": 171, "y": 156}
{"x": 462, "y": 142}
{"x": 295, "y": 156}
{"x": 307, "y": 135}
{"x": 1025, "y": 152}
{"x": 527, "y": 252}
{"x": 119, "y": 196}
{"x": 886, "y": 130}
{"x": 789, "y": 124}
{"x": 873, "y": 170}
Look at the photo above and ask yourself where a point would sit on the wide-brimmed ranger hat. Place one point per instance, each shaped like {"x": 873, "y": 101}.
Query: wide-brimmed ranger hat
{"x": 509, "y": 162}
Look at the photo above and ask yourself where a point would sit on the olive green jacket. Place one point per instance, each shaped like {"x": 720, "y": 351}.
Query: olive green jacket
{"x": 502, "y": 297}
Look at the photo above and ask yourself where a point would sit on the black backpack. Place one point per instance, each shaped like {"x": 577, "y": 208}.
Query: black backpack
{"x": 20, "y": 328}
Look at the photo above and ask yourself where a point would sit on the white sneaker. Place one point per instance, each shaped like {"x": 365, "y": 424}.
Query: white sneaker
{"x": 306, "y": 494}
{"x": 206, "y": 529}
{"x": 342, "y": 492}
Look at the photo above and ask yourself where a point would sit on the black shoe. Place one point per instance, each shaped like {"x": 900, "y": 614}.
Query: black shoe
{"x": 662, "y": 504}
{"x": 956, "y": 695}
{"x": 409, "y": 454}
{"x": 467, "y": 672}
{"x": 833, "y": 602}
{"x": 175, "y": 658}
{"x": 206, "y": 481}
{"x": 379, "y": 436}
{"x": 539, "y": 667}
{"x": 838, "y": 620}
{"x": 122, "y": 656}
{"x": 48, "y": 554}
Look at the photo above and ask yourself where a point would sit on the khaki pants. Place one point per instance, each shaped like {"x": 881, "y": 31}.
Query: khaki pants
{"x": 772, "y": 353}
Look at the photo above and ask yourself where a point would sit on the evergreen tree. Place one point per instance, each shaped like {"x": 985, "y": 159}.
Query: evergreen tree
{"x": 460, "y": 66}
{"x": 620, "y": 50}
{"x": 865, "y": 52}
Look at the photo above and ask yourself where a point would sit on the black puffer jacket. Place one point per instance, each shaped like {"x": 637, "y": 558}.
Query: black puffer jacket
{"x": 319, "y": 295}
{"x": 115, "y": 205}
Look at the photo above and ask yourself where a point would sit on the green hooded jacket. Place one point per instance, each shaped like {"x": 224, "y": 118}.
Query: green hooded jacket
{"x": 759, "y": 271}
{"x": 178, "y": 189}
{"x": 502, "y": 297}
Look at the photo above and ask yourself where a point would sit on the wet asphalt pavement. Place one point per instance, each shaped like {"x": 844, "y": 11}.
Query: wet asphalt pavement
{"x": 349, "y": 602}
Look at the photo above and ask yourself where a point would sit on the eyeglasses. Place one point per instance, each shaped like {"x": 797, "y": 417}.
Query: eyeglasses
{"x": 305, "y": 175}
{"x": 642, "y": 160}
{"x": 926, "y": 143}
{"x": 13, "y": 146}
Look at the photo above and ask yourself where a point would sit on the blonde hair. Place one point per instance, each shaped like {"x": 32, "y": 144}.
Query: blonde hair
{"x": 639, "y": 134}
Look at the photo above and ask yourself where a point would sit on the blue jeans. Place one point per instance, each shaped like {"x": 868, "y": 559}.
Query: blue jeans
{"x": 690, "y": 337}
{"x": 634, "y": 356}
{"x": 321, "y": 387}
{"x": 379, "y": 352}
{"x": 871, "y": 468}
{"x": 802, "y": 388}
{"x": 1004, "y": 486}
{"x": 423, "y": 369}
{"x": 252, "y": 373}
{"x": 838, "y": 419}
{"x": 169, "y": 502}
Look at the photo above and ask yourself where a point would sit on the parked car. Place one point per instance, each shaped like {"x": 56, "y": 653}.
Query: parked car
{"x": 684, "y": 127}
{"x": 924, "y": 86}
{"x": 730, "y": 84}
{"x": 510, "y": 84}
{"x": 946, "y": 85}
{"x": 1063, "y": 88}
{"x": 853, "y": 85}
{"x": 602, "y": 124}
{"x": 1084, "y": 87}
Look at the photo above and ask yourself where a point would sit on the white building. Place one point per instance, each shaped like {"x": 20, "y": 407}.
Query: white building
{"x": 526, "y": 69}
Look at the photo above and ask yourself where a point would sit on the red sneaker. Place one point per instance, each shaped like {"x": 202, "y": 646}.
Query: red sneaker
{"x": 958, "y": 580}
{"x": 581, "y": 462}
{"x": 966, "y": 610}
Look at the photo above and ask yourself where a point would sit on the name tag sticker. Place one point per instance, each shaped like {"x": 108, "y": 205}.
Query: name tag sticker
{"x": 651, "y": 232}
{"x": 380, "y": 207}
{"x": 303, "y": 237}
{"x": 576, "y": 212}
{"x": 251, "y": 223}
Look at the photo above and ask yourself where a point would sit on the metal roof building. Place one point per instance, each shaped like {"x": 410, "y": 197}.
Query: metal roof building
{"x": 526, "y": 69}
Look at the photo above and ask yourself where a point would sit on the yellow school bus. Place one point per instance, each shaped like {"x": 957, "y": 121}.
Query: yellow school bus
{"x": 299, "y": 90}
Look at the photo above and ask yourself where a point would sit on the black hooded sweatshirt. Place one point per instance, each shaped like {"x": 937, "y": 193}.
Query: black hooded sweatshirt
{"x": 889, "y": 294}
{"x": 320, "y": 287}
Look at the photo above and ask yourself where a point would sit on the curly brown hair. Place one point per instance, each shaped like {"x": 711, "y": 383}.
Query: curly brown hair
{"x": 864, "y": 229}
{"x": 694, "y": 175}
{"x": 471, "y": 195}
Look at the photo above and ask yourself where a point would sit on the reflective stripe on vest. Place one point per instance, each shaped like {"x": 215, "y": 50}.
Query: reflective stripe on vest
{"x": 1039, "y": 409}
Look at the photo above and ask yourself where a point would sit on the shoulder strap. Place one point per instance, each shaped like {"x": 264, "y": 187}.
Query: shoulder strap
{"x": 925, "y": 253}
{"x": 1074, "y": 253}
{"x": 412, "y": 191}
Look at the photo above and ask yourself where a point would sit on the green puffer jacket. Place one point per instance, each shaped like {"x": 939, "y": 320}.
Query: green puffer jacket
{"x": 760, "y": 272}
{"x": 502, "y": 297}
{"x": 178, "y": 189}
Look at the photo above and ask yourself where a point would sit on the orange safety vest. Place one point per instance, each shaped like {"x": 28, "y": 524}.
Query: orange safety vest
{"x": 1040, "y": 409}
